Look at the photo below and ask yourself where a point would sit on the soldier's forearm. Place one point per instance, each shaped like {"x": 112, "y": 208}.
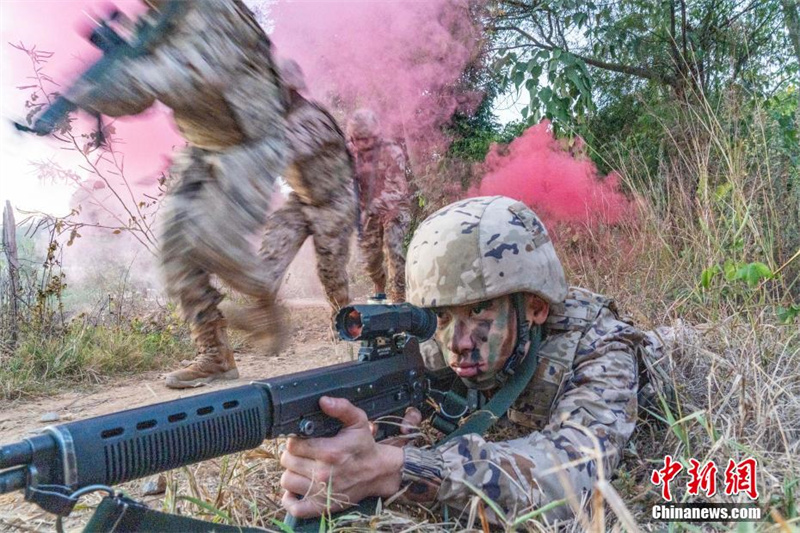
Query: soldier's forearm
{"x": 116, "y": 94}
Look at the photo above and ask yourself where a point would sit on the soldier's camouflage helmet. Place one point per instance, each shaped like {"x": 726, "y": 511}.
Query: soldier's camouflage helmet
{"x": 479, "y": 249}
{"x": 292, "y": 75}
{"x": 363, "y": 124}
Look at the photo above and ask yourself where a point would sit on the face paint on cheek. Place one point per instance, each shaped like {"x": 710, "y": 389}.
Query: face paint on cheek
{"x": 480, "y": 331}
{"x": 498, "y": 336}
{"x": 444, "y": 335}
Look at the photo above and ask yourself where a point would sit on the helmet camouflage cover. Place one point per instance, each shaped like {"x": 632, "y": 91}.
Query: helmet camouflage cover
{"x": 482, "y": 248}
{"x": 363, "y": 124}
{"x": 292, "y": 75}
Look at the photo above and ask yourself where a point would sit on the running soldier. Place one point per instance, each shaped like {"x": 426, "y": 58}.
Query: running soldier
{"x": 213, "y": 68}
{"x": 489, "y": 270}
{"x": 382, "y": 175}
{"x": 322, "y": 205}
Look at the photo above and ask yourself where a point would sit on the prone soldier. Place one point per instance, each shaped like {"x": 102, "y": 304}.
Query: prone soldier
{"x": 213, "y": 67}
{"x": 489, "y": 270}
{"x": 382, "y": 171}
{"x": 322, "y": 205}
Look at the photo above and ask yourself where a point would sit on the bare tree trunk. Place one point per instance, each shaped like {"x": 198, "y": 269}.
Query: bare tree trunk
{"x": 10, "y": 247}
{"x": 791, "y": 14}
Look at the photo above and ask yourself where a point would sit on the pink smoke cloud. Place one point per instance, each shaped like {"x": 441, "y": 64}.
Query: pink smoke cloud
{"x": 401, "y": 59}
{"x": 536, "y": 169}
{"x": 61, "y": 27}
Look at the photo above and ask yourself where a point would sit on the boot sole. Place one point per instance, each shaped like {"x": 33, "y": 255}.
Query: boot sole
{"x": 174, "y": 383}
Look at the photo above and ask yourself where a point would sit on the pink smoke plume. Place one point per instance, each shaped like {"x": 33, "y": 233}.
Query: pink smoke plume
{"x": 61, "y": 27}
{"x": 401, "y": 59}
{"x": 561, "y": 187}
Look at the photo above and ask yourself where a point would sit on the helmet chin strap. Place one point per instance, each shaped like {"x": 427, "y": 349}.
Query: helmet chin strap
{"x": 525, "y": 333}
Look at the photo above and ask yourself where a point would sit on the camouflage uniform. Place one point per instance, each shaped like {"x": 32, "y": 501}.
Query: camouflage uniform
{"x": 322, "y": 204}
{"x": 382, "y": 177}
{"x": 581, "y": 405}
{"x": 214, "y": 69}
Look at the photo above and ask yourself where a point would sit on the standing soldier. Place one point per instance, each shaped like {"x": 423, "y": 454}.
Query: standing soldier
{"x": 211, "y": 64}
{"x": 381, "y": 174}
{"x": 322, "y": 205}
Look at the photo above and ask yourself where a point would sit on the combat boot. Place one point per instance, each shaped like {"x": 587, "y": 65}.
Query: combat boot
{"x": 214, "y": 361}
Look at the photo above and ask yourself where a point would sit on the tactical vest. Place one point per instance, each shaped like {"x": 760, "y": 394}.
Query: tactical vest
{"x": 566, "y": 324}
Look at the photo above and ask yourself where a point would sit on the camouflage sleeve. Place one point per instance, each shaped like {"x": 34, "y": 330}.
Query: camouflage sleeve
{"x": 394, "y": 191}
{"x": 593, "y": 418}
{"x": 117, "y": 93}
{"x": 198, "y": 53}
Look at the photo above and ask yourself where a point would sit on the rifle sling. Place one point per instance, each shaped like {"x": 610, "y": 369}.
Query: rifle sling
{"x": 119, "y": 514}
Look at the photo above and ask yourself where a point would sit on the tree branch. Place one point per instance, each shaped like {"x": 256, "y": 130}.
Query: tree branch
{"x": 598, "y": 63}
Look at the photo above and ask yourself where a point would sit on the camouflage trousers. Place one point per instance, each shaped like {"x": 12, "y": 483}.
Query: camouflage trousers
{"x": 219, "y": 200}
{"x": 331, "y": 226}
{"x": 382, "y": 237}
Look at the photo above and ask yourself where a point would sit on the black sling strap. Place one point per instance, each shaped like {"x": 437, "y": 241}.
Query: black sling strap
{"x": 119, "y": 514}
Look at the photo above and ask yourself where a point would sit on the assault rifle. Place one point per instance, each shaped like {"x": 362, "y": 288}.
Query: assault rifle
{"x": 146, "y": 31}
{"x": 63, "y": 462}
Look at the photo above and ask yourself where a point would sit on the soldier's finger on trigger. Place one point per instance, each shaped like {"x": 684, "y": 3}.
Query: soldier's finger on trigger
{"x": 292, "y": 503}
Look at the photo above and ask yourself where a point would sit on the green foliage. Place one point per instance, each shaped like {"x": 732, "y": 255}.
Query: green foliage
{"x": 558, "y": 84}
{"x": 574, "y": 55}
{"x": 787, "y": 315}
{"x": 738, "y": 279}
{"x": 85, "y": 354}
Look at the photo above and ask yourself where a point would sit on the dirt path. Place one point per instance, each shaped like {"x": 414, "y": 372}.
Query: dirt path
{"x": 309, "y": 346}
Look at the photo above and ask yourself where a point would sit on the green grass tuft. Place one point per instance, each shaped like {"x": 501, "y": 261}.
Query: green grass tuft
{"x": 86, "y": 354}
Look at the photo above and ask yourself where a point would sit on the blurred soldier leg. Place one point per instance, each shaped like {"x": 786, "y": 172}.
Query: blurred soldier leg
{"x": 198, "y": 299}
{"x": 394, "y": 234}
{"x": 209, "y": 217}
{"x": 371, "y": 244}
{"x": 332, "y": 227}
{"x": 262, "y": 319}
{"x": 204, "y": 233}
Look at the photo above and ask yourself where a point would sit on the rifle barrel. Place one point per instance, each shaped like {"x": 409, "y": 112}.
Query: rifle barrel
{"x": 12, "y": 480}
{"x": 18, "y": 453}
